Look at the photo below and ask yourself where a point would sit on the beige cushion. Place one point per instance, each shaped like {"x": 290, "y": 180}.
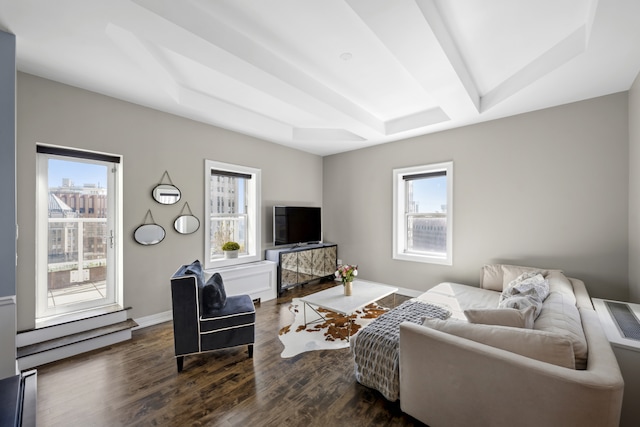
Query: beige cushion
{"x": 491, "y": 277}
{"x": 560, "y": 316}
{"x": 502, "y": 316}
{"x": 456, "y": 298}
{"x": 498, "y": 276}
{"x": 512, "y": 272}
{"x": 558, "y": 282}
{"x": 544, "y": 346}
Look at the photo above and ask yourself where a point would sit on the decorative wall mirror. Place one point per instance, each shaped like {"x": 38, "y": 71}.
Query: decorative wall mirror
{"x": 186, "y": 224}
{"x": 166, "y": 194}
{"x": 149, "y": 233}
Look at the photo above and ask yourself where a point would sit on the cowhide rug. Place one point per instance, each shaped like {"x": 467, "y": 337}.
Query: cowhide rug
{"x": 329, "y": 333}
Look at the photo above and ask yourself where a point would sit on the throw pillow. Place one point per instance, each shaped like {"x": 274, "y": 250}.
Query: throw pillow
{"x": 502, "y": 316}
{"x": 491, "y": 277}
{"x": 544, "y": 346}
{"x": 498, "y": 276}
{"x": 195, "y": 268}
{"x": 214, "y": 297}
{"x": 558, "y": 282}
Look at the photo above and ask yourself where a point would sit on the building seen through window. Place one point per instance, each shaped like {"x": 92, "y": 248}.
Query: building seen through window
{"x": 427, "y": 214}
{"x": 229, "y": 214}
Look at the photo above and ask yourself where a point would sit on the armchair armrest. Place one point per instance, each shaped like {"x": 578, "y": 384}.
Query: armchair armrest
{"x": 186, "y": 314}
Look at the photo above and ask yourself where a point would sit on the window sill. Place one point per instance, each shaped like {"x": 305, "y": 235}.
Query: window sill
{"x": 226, "y": 262}
{"x": 423, "y": 258}
{"x": 59, "y": 319}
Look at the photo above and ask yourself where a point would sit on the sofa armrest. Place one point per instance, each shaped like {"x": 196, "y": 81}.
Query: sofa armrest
{"x": 448, "y": 380}
{"x": 583, "y": 300}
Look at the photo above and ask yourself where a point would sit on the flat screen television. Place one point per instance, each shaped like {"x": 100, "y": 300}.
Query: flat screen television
{"x": 296, "y": 225}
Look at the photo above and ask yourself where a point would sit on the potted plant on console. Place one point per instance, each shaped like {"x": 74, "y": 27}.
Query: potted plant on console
{"x": 231, "y": 249}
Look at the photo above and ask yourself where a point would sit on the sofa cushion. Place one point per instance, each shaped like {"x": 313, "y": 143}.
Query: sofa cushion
{"x": 498, "y": 276}
{"x": 214, "y": 296}
{"x": 238, "y": 311}
{"x": 502, "y": 316}
{"x": 560, "y": 315}
{"x": 544, "y": 346}
{"x": 491, "y": 277}
{"x": 456, "y": 298}
{"x": 558, "y": 282}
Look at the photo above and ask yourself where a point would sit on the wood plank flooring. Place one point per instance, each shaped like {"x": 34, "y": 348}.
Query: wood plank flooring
{"x": 136, "y": 383}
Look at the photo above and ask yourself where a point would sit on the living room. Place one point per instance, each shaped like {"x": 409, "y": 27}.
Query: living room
{"x": 555, "y": 187}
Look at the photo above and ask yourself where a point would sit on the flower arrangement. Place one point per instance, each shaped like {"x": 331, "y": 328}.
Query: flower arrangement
{"x": 346, "y": 273}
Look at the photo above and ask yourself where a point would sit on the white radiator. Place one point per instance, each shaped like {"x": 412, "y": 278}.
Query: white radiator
{"x": 619, "y": 320}
{"x": 258, "y": 279}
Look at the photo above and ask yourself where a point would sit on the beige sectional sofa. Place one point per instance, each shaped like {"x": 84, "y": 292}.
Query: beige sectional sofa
{"x": 562, "y": 372}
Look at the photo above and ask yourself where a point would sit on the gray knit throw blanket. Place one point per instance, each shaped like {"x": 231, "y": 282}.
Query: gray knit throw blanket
{"x": 376, "y": 347}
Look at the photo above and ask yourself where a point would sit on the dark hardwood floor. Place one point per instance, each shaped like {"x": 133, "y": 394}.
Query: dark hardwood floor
{"x": 137, "y": 383}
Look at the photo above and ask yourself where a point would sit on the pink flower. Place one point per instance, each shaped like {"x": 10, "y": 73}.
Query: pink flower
{"x": 346, "y": 273}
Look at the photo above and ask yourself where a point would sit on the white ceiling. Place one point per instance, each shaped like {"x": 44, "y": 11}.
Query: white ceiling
{"x": 327, "y": 76}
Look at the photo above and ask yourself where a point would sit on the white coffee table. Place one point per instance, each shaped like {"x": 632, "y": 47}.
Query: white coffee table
{"x": 364, "y": 293}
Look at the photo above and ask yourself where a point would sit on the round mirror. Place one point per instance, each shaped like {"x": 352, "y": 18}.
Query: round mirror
{"x": 149, "y": 234}
{"x": 186, "y": 224}
{"x": 166, "y": 194}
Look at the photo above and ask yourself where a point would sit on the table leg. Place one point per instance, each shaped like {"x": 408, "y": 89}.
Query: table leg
{"x": 304, "y": 308}
{"x": 321, "y": 317}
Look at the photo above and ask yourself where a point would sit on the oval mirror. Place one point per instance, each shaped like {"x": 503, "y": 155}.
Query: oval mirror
{"x": 166, "y": 194}
{"x": 149, "y": 234}
{"x": 186, "y": 224}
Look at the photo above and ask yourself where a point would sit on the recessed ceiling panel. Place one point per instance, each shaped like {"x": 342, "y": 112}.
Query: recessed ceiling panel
{"x": 329, "y": 42}
{"x": 498, "y": 38}
{"x": 210, "y": 82}
{"x": 327, "y": 76}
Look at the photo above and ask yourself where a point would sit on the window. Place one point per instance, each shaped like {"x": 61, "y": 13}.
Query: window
{"x": 422, "y": 213}
{"x": 232, "y": 210}
{"x": 78, "y": 251}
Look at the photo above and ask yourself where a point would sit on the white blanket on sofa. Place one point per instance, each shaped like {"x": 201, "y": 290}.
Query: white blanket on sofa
{"x": 527, "y": 290}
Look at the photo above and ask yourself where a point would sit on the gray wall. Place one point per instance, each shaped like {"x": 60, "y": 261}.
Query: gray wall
{"x": 8, "y": 206}
{"x": 151, "y": 142}
{"x": 7, "y": 163}
{"x": 547, "y": 188}
{"x": 634, "y": 191}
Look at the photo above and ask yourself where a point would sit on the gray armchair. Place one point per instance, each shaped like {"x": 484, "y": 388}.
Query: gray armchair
{"x": 204, "y": 318}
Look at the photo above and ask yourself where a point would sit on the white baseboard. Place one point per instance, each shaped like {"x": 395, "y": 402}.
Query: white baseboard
{"x": 65, "y": 329}
{"x": 153, "y": 319}
{"x": 8, "y": 300}
{"x": 59, "y": 353}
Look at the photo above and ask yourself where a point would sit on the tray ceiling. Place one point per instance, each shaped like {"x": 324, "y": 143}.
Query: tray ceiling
{"x": 328, "y": 76}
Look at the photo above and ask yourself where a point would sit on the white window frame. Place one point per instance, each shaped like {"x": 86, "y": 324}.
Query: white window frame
{"x": 115, "y": 279}
{"x": 254, "y": 219}
{"x": 400, "y": 215}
